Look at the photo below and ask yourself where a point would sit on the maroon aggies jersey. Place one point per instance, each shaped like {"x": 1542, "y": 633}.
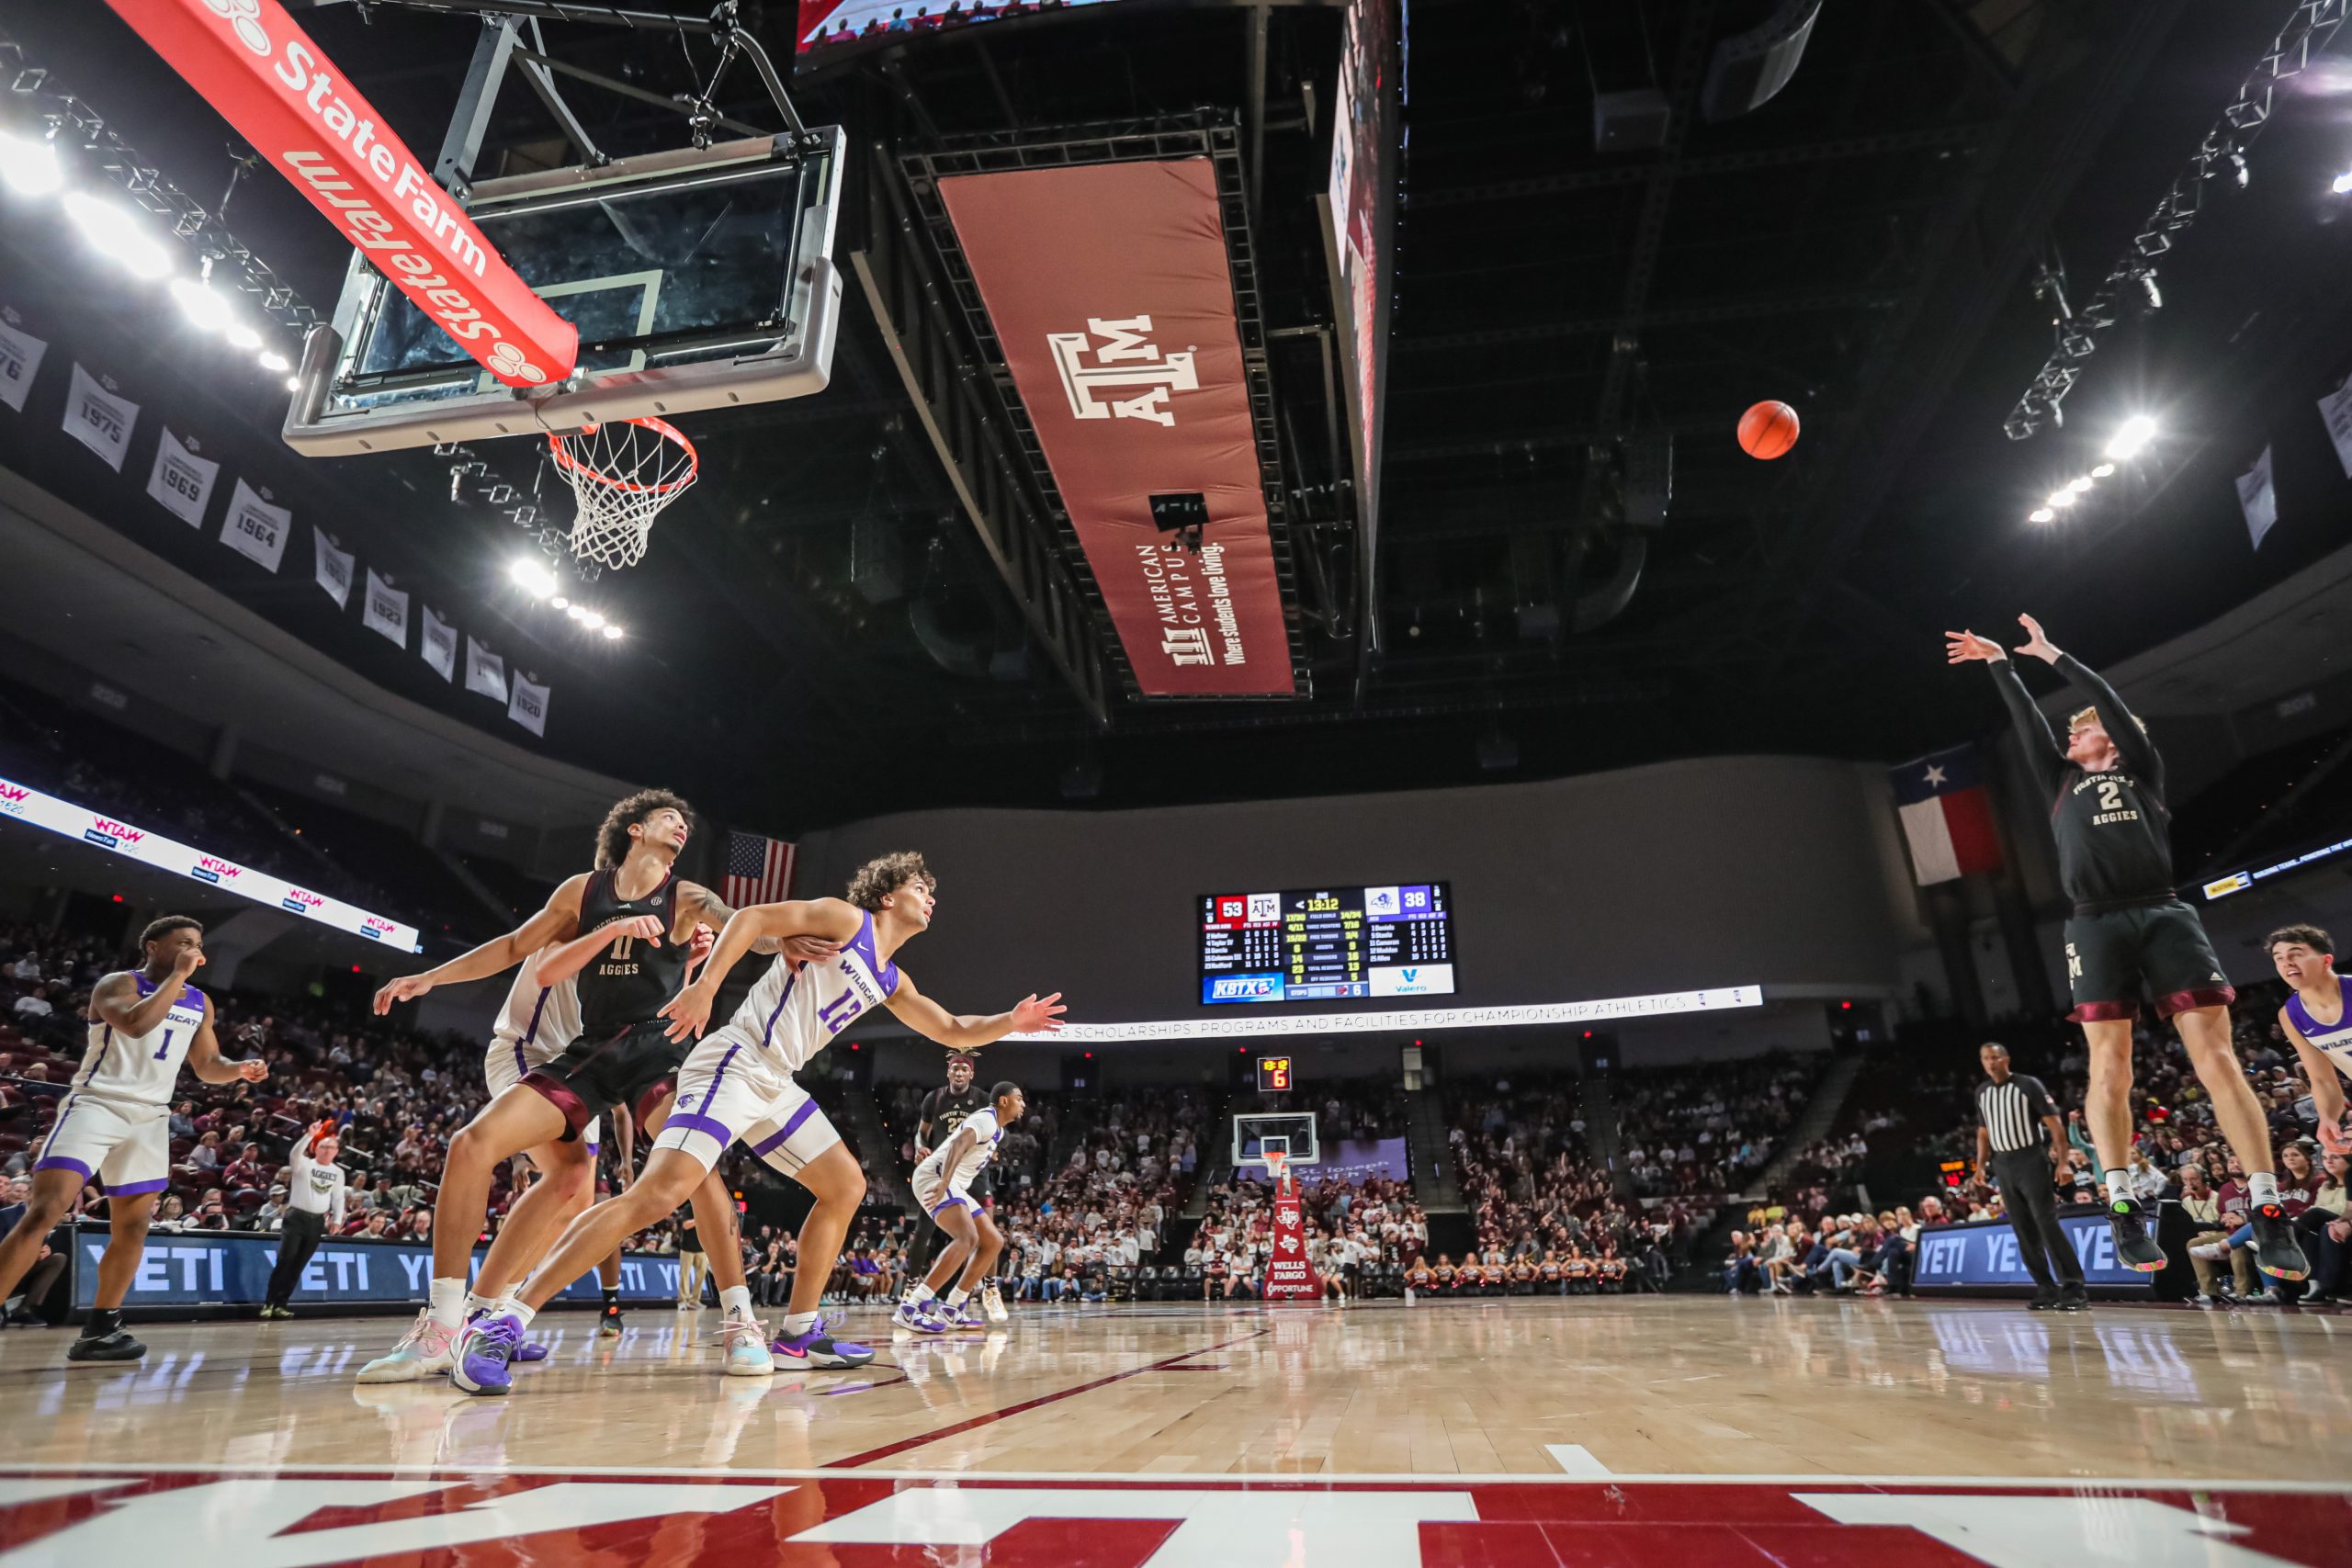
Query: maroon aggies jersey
{"x": 630, "y": 981}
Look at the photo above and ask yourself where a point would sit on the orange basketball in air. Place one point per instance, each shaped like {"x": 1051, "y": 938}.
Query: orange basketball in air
{"x": 1768, "y": 430}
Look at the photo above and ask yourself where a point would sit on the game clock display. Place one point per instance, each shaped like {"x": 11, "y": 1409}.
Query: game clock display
{"x": 1327, "y": 944}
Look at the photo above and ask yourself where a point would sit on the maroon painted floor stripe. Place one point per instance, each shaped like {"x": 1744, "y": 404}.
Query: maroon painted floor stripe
{"x": 872, "y": 1455}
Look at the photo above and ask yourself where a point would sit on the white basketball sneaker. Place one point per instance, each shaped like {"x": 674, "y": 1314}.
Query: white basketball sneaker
{"x": 745, "y": 1340}
{"x": 915, "y": 1317}
{"x": 427, "y": 1351}
{"x": 992, "y": 1303}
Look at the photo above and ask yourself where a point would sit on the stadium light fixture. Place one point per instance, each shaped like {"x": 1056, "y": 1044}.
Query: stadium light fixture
{"x": 2078, "y": 485}
{"x": 30, "y": 167}
{"x": 200, "y": 305}
{"x": 115, "y": 232}
{"x": 272, "y": 360}
{"x": 2342, "y": 185}
{"x": 532, "y": 577}
{"x": 2102, "y": 471}
{"x": 2060, "y": 497}
{"x": 612, "y": 632}
{"x": 592, "y": 620}
{"x": 243, "y": 336}
{"x": 2131, "y": 439}
{"x": 2040, "y": 515}
{"x": 560, "y": 603}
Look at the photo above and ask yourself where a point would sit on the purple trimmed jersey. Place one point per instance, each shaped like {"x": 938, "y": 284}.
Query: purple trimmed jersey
{"x": 2333, "y": 1039}
{"x": 140, "y": 1068}
{"x": 796, "y": 1010}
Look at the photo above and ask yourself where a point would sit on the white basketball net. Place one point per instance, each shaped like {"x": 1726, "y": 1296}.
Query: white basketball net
{"x": 1276, "y": 1163}
{"x": 622, "y": 474}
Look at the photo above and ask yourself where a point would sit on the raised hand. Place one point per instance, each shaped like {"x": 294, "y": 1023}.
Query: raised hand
{"x": 407, "y": 988}
{"x": 187, "y": 962}
{"x": 2036, "y": 644}
{"x": 253, "y": 1071}
{"x": 1961, "y": 647}
{"x": 649, "y": 928}
{"x": 2332, "y": 1139}
{"x": 1033, "y": 1016}
{"x": 811, "y": 949}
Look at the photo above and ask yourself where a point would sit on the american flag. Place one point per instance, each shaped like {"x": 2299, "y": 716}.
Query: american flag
{"x": 759, "y": 871}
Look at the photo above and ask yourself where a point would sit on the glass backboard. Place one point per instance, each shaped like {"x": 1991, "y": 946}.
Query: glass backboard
{"x": 696, "y": 278}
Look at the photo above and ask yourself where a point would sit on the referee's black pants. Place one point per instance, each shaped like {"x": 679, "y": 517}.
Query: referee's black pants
{"x": 301, "y": 1237}
{"x": 2032, "y": 1204}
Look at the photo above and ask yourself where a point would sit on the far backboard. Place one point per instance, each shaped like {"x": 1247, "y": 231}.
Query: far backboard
{"x": 698, "y": 278}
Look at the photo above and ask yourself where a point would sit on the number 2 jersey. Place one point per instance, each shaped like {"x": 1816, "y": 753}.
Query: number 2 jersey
{"x": 2113, "y": 829}
{"x": 796, "y": 1010}
{"x": 142, "y": 1067}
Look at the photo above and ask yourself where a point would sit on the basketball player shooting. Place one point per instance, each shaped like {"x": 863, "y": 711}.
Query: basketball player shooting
{"x": 2315, "y": 1022}
{"x": 736, "y": 1087}
{"x": 2129, "y": 934}
{"x": 115, "y": 1124}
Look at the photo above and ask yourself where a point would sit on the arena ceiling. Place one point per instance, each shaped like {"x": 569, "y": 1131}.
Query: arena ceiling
{"x": 1862, "y": 247}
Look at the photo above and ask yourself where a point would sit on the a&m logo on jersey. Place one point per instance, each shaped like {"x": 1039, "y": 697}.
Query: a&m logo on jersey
{"x": 211, "y": 868}
{"x": 1127, "y": 359}
{"x": 302, "y": 902}
{"x": 110, "y": 834}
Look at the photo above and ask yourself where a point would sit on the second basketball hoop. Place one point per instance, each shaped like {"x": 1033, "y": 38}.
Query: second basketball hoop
{"x": 622, "y": 473}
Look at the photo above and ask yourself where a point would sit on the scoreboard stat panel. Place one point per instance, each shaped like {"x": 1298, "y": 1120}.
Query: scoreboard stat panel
{"x": 1327, "y": 944}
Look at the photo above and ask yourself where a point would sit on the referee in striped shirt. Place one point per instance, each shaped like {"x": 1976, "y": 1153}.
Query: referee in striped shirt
{"x": 2019, "y": 1135}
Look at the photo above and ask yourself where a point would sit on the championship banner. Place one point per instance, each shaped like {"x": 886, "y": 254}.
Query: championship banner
{"x": 181, "y": 482}
{"x": 1108, "y": 287}
{"x": 2257, "y": 499}
{"x": 2335, "y": 409}
{"x": 485, "y": 672}
{"x": 99, "y": 420}
{"x": 331, "y": 567}
{"x": 25, "y": 803}
{"x": 256, "y": 529}
{"x": 528, "y": 705}
{"x": 440, "y": 641}
{"x": 20, "y": 355}
{"x": 264, "y": 76}
{"x": 386, "y": 611}
{"x": 1289, "y": 1276}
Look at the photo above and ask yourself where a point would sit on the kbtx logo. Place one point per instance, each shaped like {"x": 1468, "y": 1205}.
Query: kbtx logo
{"x": 1127, "y": 358}
{"x": 302, "y": 903}
{"x": 211, "y": 868}
{"x": 1245, "y": 987}
{"x": 110, "y": 835}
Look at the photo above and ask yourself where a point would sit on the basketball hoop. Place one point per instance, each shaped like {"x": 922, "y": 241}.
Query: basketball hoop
{"x": 622, "y": 473}
{"x": 1277, "y": 1163}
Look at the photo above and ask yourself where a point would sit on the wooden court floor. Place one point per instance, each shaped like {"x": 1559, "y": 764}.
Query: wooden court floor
{"x": 1688, "y": 1386}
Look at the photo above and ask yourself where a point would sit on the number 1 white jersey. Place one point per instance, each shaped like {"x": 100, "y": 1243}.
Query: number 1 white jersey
{"x": 793, "y": 1012}
{"x": 538, "y": 1021}
{"x": 142, "y": 1067}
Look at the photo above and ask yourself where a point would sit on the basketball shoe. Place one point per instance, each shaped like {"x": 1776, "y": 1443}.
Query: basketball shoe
{"x": 2275, "y": 1249}
{"x": 485, "y": 1350}
{"x": 815, "y": 1348}
{"x": 992, "y": 1303}
{"x": 424, "y": 1351}
{"x": 2134, "y": 1248}
{"x": 745, "y": 1342}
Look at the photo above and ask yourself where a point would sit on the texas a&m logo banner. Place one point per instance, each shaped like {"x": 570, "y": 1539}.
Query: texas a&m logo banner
{"x": 1109, "y": 288}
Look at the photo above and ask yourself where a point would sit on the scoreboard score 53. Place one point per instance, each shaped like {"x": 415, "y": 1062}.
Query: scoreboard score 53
{"x": 1273, "y": 1074}
{"x": 1327, "y": 944}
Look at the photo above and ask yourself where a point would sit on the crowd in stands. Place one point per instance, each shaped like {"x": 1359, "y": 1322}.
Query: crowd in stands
{"x": 905, "y": 21}
{"x": 1710, "y": 1126}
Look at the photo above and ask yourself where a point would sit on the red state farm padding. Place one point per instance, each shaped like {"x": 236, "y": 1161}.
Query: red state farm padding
{"x": 264, "y": 76}
{"x": 1109, "y": 289}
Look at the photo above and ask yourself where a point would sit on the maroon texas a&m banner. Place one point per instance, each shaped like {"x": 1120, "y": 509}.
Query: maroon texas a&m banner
{"x": 1108, "y": 287}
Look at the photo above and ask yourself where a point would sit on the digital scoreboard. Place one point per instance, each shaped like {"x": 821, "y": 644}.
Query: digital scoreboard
{"x": 1273, "y": 1075}
{"x": 1327, "y": 944}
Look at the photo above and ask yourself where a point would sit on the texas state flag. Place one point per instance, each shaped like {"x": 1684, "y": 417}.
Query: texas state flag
{"x": 1946, "y": 815}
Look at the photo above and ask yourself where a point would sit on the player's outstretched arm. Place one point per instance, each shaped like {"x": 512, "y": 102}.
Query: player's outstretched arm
{"x": 2123, "y": 728}
{"x": 699, "y": 904}
{"x": 116, "y": 999}
{"x": 568, "y": 959}
{"x": 2327, "y": 1087}
{"x": 968, "y": 1031}
{"x": 831, "y": 920}
{"x": 2043, "y": 753}
{"x": 204, "y": 1058}
{"x": 558, "y": 921}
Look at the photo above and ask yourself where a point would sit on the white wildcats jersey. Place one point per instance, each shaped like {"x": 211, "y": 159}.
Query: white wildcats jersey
{"x": 142, "y": 1067}
{"x": 537, "y": 1021}
{"x": 987, "y": 1134}
{"x": 2333, "y": 1039}
{"x": 793, "y": 1013}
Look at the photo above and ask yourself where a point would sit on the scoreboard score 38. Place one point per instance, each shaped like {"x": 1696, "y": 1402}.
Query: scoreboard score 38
{"x": 1327, "y": 944}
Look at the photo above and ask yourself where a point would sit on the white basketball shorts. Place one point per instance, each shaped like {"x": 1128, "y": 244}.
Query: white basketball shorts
{"x": 720, "y": 1102}
{"x": 123, "y": 1142}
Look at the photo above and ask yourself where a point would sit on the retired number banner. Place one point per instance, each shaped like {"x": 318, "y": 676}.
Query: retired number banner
{"x": 1109, "y": 289}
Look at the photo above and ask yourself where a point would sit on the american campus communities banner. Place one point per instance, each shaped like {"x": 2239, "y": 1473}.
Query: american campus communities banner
{"x": 197, "y": 1268}
{"x": 25, "y": 804}
{"x": 1109, "y": 288}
